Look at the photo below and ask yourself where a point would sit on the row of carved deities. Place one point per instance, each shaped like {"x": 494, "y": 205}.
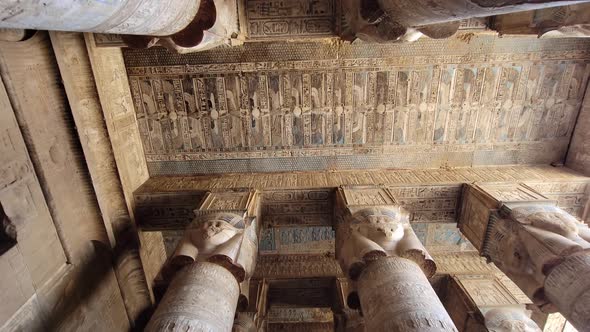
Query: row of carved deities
{"x": 541, "y": 248}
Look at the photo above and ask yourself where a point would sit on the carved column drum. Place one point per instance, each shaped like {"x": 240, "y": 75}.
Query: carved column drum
{"x": 568, "y": 288}
{"x": 202, "y": 297}
{"x": 139, "y": 17}
{"x": 395, "y": 295}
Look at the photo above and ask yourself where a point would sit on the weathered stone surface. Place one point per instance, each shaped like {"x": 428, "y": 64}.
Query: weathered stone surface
{"x": 153, "y": 17}
{"x": 578, "y": 156}
{"x": 509, "y": 319}
{"x": 396, "y": 296}
{"x": 541, "y": 248}
{"x": 72, "y": 57}
{"x": 46, "y": 293}
{"x": 116, "y": 102}
{"x": 294, "y": 180}
{"x": 202, "y": 297}
{"x": 293, "y": 107}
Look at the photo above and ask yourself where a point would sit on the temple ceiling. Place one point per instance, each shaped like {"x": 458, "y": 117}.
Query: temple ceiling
{"x": 317, "y": 105}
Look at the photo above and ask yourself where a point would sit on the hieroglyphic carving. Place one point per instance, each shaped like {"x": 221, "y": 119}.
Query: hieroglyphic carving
{"x": 430, "y": 196}
{"x": 297, "y": 266}
{"x": 486, "y": 290}
{"x": 571, "y": 197}
{"x": 297, "y": 207}
{"x": 368, "y": 196}
{"x": 462, "y": 263}
{"x": 429, "y": 203}
{"x": 513, "y": 192}
{"x": 279, "y": 19}
{"x": 493, "y": 112}
{"x": 297, "y": 240}
{"x": 294, "y": 180}
{"x": 395, "y": 295}
{"x": 166, "y": 210}
{"x": 202, "y": 297}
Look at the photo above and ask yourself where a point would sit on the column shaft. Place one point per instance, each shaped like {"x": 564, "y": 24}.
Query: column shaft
{"x": 202, "y": 297}
{"x": 395, "y": 295}
{"x": 144, "y": 17}
{"x": 568, "y": 288}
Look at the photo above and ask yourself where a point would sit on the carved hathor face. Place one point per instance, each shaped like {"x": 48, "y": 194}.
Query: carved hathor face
{"x": 380, "y": 228}
{"x": 554, "y": 221}
{"x": 212, "y": 232}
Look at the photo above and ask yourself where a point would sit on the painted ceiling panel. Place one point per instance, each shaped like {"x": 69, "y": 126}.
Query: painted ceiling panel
{"x": 312, "y": 106}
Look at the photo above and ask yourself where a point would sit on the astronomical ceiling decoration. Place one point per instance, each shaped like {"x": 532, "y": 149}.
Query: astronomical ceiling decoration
{"x": 270, "y": 106}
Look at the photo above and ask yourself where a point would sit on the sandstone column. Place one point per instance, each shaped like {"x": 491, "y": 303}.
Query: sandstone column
{"x": 388, "y": 20}
{"x": 202, "y": 297}
{"x": 148, "y": 17}
{"x": 395, "y": 295}
{"x": 376, "y": 245}
{"x": 215, "y": 256}
{"x": 543, "y": 249}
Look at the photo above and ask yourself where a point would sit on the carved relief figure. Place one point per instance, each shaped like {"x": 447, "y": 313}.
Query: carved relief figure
{"x": 533, "y": 240}
{"x": 223, "y": 238}
{"x": 375, "y": 232}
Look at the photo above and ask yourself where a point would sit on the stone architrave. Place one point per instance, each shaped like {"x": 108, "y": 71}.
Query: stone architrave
{"x": 376, "y": 246}
{"x": 214, "y": 259}
{"x": 542, "y": 249}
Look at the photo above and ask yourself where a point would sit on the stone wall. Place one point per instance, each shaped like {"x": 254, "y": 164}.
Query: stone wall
{"x": 578, "y": 156}
{"x": 59, "y": 275}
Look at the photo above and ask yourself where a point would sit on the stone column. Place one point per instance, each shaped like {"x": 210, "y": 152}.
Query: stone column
{"x": 215, "y": 256}
{"x": 389, "y": 20}
{"x": 147, "y": 17}
{"x": 395, "y": 295}
{"x": 543, "y": 249}
{"x": 376, "y": 245}
{"x": 202, "y": 297}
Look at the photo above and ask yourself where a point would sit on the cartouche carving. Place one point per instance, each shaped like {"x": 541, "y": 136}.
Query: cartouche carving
{"x": 378, "y": 231}
{"x": 223, "y": 238}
